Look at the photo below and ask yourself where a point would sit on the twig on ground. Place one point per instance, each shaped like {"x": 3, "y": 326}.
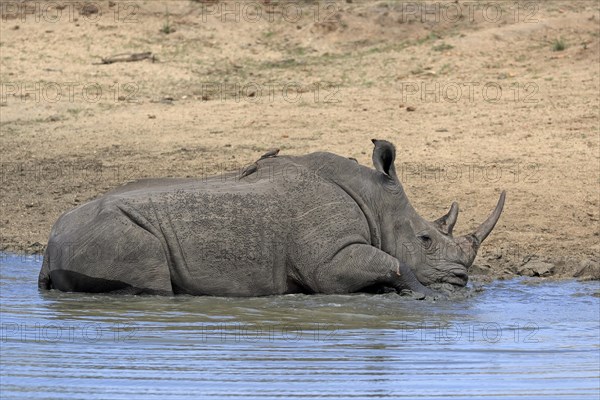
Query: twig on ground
{"x": 127, "y": 57}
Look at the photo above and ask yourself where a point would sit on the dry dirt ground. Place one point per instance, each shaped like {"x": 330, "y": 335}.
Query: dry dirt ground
{"x": 478, "y": 97}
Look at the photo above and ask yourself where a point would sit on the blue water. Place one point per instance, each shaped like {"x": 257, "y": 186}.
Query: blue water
{"x": 515, "y": 339}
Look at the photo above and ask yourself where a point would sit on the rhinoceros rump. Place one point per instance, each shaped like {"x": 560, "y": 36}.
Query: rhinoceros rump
{"x": 318, "y": 223}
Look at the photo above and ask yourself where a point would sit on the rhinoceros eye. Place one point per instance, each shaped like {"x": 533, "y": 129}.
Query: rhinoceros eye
{"x": 426, "y": 241}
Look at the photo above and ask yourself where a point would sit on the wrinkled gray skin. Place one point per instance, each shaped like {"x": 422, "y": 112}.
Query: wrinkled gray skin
{"x": 318, "y": 223}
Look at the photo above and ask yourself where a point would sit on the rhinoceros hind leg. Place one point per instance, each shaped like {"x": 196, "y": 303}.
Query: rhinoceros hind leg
{"x": 104, "y": 251}
{"x": 71, "y": 281}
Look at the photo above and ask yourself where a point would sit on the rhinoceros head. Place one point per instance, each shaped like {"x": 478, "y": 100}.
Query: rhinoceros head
{"x": 428, "y": 247}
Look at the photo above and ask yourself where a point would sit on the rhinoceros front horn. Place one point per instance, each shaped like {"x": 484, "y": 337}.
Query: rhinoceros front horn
{"x": 484, "y": 229}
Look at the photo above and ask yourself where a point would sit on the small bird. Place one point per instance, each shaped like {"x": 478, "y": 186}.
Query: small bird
{"x": 249, "y": 169}
{"x": 269, "y": 154}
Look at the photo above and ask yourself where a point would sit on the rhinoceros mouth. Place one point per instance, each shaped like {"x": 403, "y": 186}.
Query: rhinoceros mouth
{"x": 457, "y": 277}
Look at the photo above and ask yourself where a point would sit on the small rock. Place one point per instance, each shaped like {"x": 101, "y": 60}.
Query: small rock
{"x": 588, "y": 269}
{"x": 151, "y": 116}
{"x": 536, "y": 268}
{"x": 227, "y": 145}
{"x": 89, "y": 9}
{"x": 16, "y": 27}
{"x": 410, "y": 108}
{"x": 413, "y": 295}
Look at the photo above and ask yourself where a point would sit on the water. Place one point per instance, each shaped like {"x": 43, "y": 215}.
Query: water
{"x": 516, "y": 339}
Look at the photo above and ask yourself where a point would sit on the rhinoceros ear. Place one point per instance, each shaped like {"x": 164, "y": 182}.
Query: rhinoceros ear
{"x": 384, "y": 155}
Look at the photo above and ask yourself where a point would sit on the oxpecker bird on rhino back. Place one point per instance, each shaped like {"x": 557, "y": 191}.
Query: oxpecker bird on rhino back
{"x": 318, "y": 223}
